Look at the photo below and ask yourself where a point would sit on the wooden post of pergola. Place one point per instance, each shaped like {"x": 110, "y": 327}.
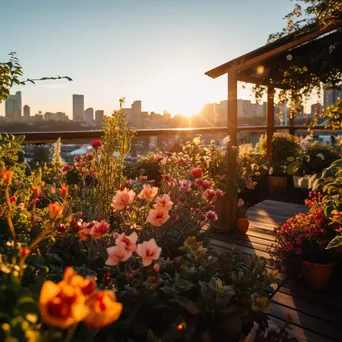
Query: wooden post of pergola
{"x": 270, "y": 121}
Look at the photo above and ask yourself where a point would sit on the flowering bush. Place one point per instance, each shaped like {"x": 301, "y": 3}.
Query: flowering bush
{"x": 141, "y": 266}
{"x": 305, "y": 236}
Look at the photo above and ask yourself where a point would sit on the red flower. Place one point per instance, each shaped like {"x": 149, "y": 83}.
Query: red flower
{"x": 196, "y": 172}
{"x": 96, "y": 144}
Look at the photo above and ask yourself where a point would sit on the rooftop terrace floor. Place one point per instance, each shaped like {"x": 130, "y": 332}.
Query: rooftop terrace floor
{"x": 313, "y": 316}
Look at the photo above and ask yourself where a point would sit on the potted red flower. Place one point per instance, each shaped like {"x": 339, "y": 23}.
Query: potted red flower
{"x": 303, "y": 239}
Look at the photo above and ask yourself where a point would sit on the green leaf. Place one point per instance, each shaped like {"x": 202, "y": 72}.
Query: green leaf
{"x": 335, "y": 243}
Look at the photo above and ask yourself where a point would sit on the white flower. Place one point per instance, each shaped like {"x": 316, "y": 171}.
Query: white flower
{"x": 270, "y": 171}
{"x": 307, "y": 157}
{"x": 226, "y": 139}
{"x": 320, "y": 155}
{"x": 241, "y": 202}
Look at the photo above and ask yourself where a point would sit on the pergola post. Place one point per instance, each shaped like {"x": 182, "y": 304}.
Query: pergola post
{"x": 270, "y": 121}
{"x": 291, "y": 122}
{"x": 231, "y": 198}
{"x": 232, "y": 106}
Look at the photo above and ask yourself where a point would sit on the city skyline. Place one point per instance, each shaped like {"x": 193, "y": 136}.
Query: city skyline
{"x": 157, "y": 52}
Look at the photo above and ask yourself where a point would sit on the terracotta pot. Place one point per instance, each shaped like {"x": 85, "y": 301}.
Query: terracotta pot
{"x": 242, "y": 224}
{"x": 226, "y": 210}
{"x": 317, "y": 275}
{"x": 277, "y": 185}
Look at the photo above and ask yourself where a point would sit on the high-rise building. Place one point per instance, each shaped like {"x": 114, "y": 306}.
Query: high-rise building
{"x": 89, "y": 114}
{"x": 133, "y": 114}
{"x": 331, "y": 96}
{"x": 78, "y": 107}
{"x": 13, "y": 107}
{"x": 59, "y": 116}
{"x": 26, "y": 112}
{"x": 99, "y": 115}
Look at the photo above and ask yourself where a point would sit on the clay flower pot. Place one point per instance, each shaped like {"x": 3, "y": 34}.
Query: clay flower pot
{"x": 242, "y": 224}
{"x": 317, "y": 275}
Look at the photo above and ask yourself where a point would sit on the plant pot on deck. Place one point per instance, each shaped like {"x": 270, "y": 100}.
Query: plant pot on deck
{"x": 301, "y": 182}
{"x": 242, "y": 224}
{"x": 317, "y": 275}
{"x": 277, "y": 185}
{"x": 226, "y": 211}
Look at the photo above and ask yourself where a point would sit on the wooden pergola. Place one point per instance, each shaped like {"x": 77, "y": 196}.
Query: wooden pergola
{"x": 257, "y": 66}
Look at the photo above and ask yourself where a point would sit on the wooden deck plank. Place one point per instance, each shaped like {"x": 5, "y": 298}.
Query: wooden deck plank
{"x": 298, "y": 332}
{"x": 307, "y": 322}
{"x": 310, "y": 308}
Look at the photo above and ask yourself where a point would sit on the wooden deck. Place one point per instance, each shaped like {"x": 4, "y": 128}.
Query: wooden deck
{"x": 314, "y": 316}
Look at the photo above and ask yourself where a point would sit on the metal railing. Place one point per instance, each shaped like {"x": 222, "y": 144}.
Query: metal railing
{"x": 86, "y": 135}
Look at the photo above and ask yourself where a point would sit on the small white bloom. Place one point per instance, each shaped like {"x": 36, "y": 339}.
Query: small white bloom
{"x": 226, "y": 139}
{"x": 240, "y": 202}
{"x": 320, "y": 155}
{"x": 307, "y": 158}
{"x": 270, "y": 171}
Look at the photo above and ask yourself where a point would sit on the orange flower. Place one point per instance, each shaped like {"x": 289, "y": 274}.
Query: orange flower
{"x": 87, "y": 285}
{"x": 104, "y": 309}
{"x": 6, "y": 176}
{"x": 62, "y": 305}
{"x": 36, "y": 192}
{"x": 55, "y": 211}
{"x": 64, "y": 191}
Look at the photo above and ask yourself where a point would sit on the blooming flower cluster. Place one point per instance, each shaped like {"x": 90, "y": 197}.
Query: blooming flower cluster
{"x": 125, "y": 245}
{"x": 306, "y": 235}
{"x": 76, "y": 299}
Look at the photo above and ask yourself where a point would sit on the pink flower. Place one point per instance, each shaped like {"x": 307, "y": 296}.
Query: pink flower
{"x": 219, "y": 193}
{"x": 211, "y": 215}
{"x": 128, "y": 242}
{"x": 168, "y": 178}
{"x": 148, "y": 193}
{"x": 96, "y": 144}
{"x": 100, "y": 228}
{"x": 298, "y": 251}
{"x": 158, "y": 158}
{"x": 185, "y": 185}
{"x": 148, "y": 251}
{"x": 13, "y": 199}
{"x": 163, "y": 203}
{"x": 210, "y": 195}
{"x": 143, "y": 178}
{"x": 196, "y": 172}
{"x": 156, "y": 268}
{"x": 122, "y": 199}
{"x": 117, "y": 254}
{"x": 21, "y": 206}
{"x": 86, "y": 233}
{"x": 157, "y": 217}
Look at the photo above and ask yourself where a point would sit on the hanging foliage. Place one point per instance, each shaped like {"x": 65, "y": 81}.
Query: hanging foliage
{"x": 310, "y": 66}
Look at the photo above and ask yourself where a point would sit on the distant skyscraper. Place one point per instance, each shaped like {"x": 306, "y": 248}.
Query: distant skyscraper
{"x": 26, "y": 112}
{"x": 78, "y": 107}
{"x": 13, "y": 107}
{"x": 89, "y": 114}
{"x": 99, "y": 115}
{"x": 331, "y": 96}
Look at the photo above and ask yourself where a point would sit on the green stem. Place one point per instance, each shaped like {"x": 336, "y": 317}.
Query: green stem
{"x": 71, "y": 332}
{"x": 9, "y": 216}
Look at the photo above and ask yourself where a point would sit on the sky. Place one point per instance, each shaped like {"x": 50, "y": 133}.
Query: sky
{"x": 156, "y": 51}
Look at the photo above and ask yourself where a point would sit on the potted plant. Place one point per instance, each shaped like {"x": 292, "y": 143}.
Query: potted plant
{"x": 233, "y": 171}
{"x": 242, "y": 222}
{"x": 283, "y": 146}
{"x": 302, "y": 240}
